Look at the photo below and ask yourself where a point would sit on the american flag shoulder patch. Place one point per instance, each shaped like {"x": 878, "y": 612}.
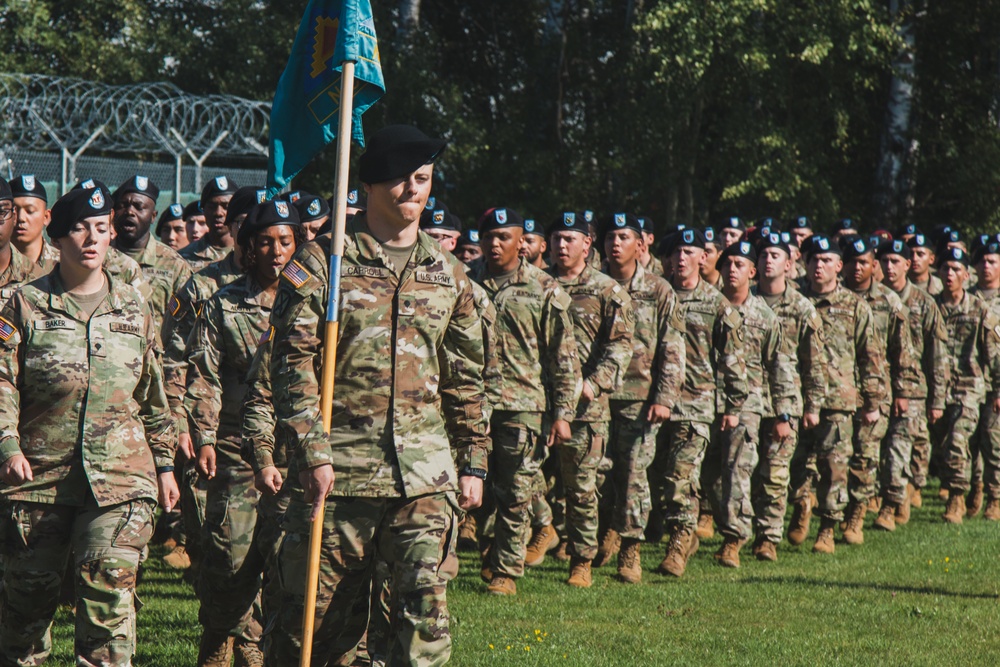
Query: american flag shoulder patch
{"x": 266, "y": 336}
{"x": 6, "y": 329}
{"x": 174, "y": 306}
{"x": 296, "y": 274}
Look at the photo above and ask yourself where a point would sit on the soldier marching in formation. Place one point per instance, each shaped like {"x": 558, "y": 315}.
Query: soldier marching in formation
{"x": 531, "y": 388}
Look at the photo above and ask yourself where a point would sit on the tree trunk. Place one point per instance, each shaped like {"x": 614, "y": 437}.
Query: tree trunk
{"x": 409, "y": 17}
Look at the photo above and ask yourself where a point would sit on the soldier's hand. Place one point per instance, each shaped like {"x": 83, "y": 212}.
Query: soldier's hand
{"x": 782, "y": 430}
{"x": 206, "y": 461}
{"x": 900, "y": 407}
{"x": 268, "y": 480}
{"x": 870, "y": 418}
{"x": 167, "y": 491}
{"x": 810, "y": 420}
{"x": 658, "y": 414}
{"x": 316, "y": 482}
{"x": 729, "y": 422}
{"x": 559, "y": 433}
{"x": 470, "y": 489}
{"x": 934, "y": 415}
{"x": 16, "y": 470}
{"x": 588, "y": 391}
{"x": 185, "y": 445}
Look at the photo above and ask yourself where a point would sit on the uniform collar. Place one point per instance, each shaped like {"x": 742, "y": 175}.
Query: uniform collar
{"x": 369, "y": 247}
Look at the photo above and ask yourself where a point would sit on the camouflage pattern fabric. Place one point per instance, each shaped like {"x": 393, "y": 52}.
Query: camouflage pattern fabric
{"x": 201, "y": 253}
{"x": 164, "y": 271}
{"x": 769, "y": 484}
{"x": 631, "y": 447}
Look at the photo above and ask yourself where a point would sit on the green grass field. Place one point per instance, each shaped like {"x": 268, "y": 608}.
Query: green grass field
{"x": 924, "y": 595}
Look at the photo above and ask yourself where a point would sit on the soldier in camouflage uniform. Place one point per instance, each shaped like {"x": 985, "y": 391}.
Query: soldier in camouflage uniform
{"x": 538, "y": 373}
{"x": 218, "y": 356}
{"x": 855, "y": 379}
{"x": 713, "y": 249}
{"x": 922, "y": 264}
{"x": 219, "y": 240}
{"x": 650, "y": 388}
{"x": 974, "y": 352}
{"x": 31, "y": 202}
{"x": 802, "y": 346}
{"x": 407, "y": 446}
{"x": 17, "y": 269}
{"x": 713, "y": 346}
{"x": 986, "y": 443}
{"x": 650, "y": 262}
{"x": 162, "y": 268}
{"x": 770, "y": 379}
{"x": 907, "y": 451}
{"x": 534, "y": 246}
{"x": 86, "y": 446}
{"x": 892, "y": 331}
{"x": 603, "y": 322}
{"x": 800, "y": 228}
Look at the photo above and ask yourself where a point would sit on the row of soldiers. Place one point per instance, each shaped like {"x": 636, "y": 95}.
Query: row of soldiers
{"x": 626, "y": 395}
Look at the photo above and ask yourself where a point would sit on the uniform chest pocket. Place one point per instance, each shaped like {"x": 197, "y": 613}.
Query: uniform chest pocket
{"x": 124, "y": 341}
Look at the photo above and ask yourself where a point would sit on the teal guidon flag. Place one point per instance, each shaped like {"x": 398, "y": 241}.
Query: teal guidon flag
{"x": 308, "y": 99}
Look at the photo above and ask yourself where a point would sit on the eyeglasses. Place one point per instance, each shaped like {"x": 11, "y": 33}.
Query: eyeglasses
{"x": 6, "y": 212}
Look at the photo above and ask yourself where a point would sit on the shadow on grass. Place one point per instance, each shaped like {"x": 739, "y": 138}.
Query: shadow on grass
{"x": 858, "y": 585}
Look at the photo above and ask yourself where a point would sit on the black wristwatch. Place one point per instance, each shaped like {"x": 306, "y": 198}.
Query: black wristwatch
{"x": 784, "y": 418}
{"x": 472, "y": 472}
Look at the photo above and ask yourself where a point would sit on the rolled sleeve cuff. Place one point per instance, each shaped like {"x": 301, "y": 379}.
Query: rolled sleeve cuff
{"x": 565, "y": 414}
{"x": 9, "y": 448}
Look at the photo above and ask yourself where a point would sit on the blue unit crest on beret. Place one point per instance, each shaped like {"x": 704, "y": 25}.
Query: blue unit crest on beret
{"x": 744, "y": 248}
{"x": 97, "y": 199}
{"x": 859, "y": 245}
{"x": 619, "y": 219}
{"x": 313, "y": 208}
{"x": 688, "y": 236}
{"x": 352, "y": 197}
{"x": 438, "y": 217}
{"x": 474, "y": 235}
{"x": 501, "y": 216}
{"x": 222, "y": 182}
{"x": 261, "y": 196}
{"x": 176, "y": 210}
{"x": 28, "y": 181}
{"x": 281, "y": 207}
{"x": 141, "y": 183}
{"x": 529, "y": 225}
{"x": 569, "y": 219}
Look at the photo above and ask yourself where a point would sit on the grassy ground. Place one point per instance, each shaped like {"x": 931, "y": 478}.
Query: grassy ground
{"x": 925, "y": 595}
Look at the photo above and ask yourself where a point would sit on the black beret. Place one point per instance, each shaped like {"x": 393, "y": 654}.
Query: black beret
{"x": 953, "y": 255}
{"x": 293, "y": 196}
{"x": 218, "y": 187}
{"x": 767, "y": 221}
{"x": 789, "y": 239}
{"x": 440, "y": 218}
{"x": 709, "y": 234}
{"x": 395, "y": 151}
{"x": 243, "y": 200}
{"x": 856, "y": 248}
{"x": 821, "y": 245}
{"x": 689, "y": 237}
{"x": 732, "y": 223}
{"x": 532, "y": 227}
{"x": 90, "y": 184}
{"x": 775, "y": 241}
{"x": 907, "y": 230}
{"x": 496, "y": 218}
{"x": 570, "y": 221}
{"x": 800, "y": 222}
{"x": 843, "y": 225}
{"x": 979, "y": 241}
{"x": 588, "y": 217}
{"x": 990, "y": 248}
{"x": 939, "y": 231}
{"x": 647, "y": 224}
{"x": 895, "y": 247}
{"x": 26, "y": 185}
{"x": 311, "y": 208}
{"x": 739, "y": 249}
{"x": 469, "y": 236}
{"x": 952, "y": 236}
{"x": 435, "y": 204}
{"x": 140, "y": 185}
{"x": 172, "y": 212}
{"x": 78, "y": 204}
{"x": 264, "y": 215}
{"x": 623, "y": 221}
{"x": 192, "y": 209}
{"x": 920, "y": 241}
{"x": 5, "y": 191}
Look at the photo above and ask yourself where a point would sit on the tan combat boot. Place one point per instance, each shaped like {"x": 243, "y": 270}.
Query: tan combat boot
{"x": 824, "y": 540}
{"x": 974, "y": 503}
{"x": 215, "y": 650}
{"x": 485, "y": 571}
{"x": 903, "y": 512}
{"x": 943, "y": 494}
{"x": 178, "y": 559}
{"x": 561, "y": 553}
{"x": 765, "y": 550}
{"x": 678, "y": 552}
{"x": 955, "y": 509}
{"x": 728, "y": 554}
{"x": 545, "y": 538}
{"x": 992, "y": 512}
{"x": 610, "y": 545}
{"x": 798, "y": 529}
{"x": 467, "y": 540}
{"x": 579, "y": 573}
{"x": 502, "y": 585}
{"x": 916, "y": 499}
{"x": 247, "y": 654}
{"x": 629, "y": 561}
{"x": 854, "y": 532}
{"x": 874, "y": 504}
{"x": 706, "y": 527}
{"x": 886, "y": 517}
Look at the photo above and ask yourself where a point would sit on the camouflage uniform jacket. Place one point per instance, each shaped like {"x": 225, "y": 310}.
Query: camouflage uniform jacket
{"x": 654, "y": 266}
{"x": 127, "y": 270}
{"x": 19, "y": 271}
{"x": 932, "y": 286}
{"x": 82, "y": 400}
{"x": 538, "y": 369}
{"x": 852, "y": 353}
{"x": 656, "y": 372}
{"x": 409, "y": 377}
{"x": 892, "y": 328}
{"x": 47, "y": 260}
{"x": 488, "y": 319}
{"x": 218, "y": 356}
{"x": 930, "y": 345}
{"x": 770, "y": 372}
{"x": 263, "y": 444}
{"x": 802, "y": 346}
{"x": 201, "y": 253}
{"x": 603, "y": 323}
{"x": 973, "y": 349}
{"x": 713, "y": 337}
{"x": 182, "y": 311}
{"x": 165, "y": 272}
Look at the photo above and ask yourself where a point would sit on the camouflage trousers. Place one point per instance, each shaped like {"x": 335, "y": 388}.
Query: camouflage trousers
{"x": 920, "y": 458}
{"x": 710, "y": 477}
{"x": 680, "y": 450}
{"x": 769, "y": 484}
{"x": 229, "y": 580}
{"x": 631, "y": 448}
{"x": 416, "y": 540}
{"x": 897, "y": 451}
{"x": 106, "y": 543}
{"x": 986, "y": 451}
{"x": 194, "y": 490}
{"x": 863, "y": 464}
{"x": 542, "y": 485}
{"x": 267, "y": 534}
{"x": 955, "y": 432}
{"x": 821, "y": 460}
{"x": 518, "y": 452}
{"x": 578, "y": 461}
{"x": 735, "y": 460}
